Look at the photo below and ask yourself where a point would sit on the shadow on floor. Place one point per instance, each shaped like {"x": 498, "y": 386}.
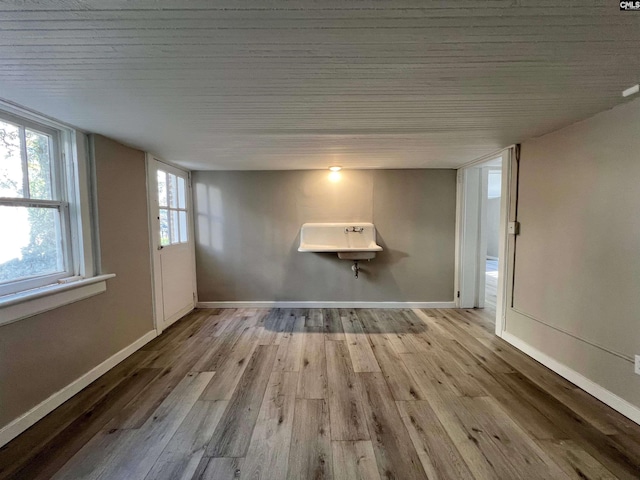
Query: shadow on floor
{"x": 351, "y": 320}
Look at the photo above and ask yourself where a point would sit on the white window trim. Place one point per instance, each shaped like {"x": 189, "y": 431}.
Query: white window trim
{"x": 39, "y": 300}
{"x": 88, "y": 279}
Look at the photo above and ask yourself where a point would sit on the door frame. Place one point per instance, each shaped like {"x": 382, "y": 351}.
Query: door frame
{"x": 154, "y": 229}
{"x": 468, "y": 238}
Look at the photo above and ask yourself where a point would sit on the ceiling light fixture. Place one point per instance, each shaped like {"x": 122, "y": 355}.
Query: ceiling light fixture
{"x": 335, "y": 168}
{"x": 631, "y": 90}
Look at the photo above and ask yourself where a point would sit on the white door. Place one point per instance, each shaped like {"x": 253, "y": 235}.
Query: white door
{"x": 171, "y": 242}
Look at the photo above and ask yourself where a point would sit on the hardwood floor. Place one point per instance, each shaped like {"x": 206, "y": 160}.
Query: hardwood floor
{"x": 321, "y": 394}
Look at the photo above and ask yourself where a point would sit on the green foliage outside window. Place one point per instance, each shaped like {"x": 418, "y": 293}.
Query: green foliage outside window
{"x": 40, "y": 247}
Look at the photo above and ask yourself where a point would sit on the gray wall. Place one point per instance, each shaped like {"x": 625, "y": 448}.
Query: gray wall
{"x": 248, "y": 224}
{"x": 42, "y": 354}
{"x": 577, "y": 273}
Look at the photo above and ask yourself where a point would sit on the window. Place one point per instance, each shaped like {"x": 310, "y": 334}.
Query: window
{"x": 46, "y": 239}
{"x": 33, "y": 207}
{"x": 172, "y": 201}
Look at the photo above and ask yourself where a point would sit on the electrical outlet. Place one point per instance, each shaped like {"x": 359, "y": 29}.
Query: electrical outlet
{"x": 637, "y": 365}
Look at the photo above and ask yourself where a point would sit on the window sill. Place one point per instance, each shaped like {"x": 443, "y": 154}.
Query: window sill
{"x": 32, "y": 302}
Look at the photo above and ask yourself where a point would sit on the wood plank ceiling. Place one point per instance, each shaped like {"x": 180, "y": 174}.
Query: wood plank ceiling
{"x": 248, "y": 84}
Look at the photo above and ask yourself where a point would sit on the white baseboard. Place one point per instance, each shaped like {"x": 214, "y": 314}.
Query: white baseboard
{"x": 20, "y": 424}
{"x": 605, "y": 396}
{"x": 326, "y": 304}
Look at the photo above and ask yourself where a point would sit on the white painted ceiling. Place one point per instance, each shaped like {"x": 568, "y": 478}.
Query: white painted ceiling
{"x": 276, "y": 84}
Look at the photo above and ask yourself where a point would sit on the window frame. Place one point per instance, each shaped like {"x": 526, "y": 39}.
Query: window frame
{"x": 60, "y": 202}
{"x": 75, "y": 177}
{"x": 168, "y": 208}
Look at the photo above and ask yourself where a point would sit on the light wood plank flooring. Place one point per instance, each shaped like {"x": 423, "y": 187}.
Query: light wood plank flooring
{"x": 321, "y": 394}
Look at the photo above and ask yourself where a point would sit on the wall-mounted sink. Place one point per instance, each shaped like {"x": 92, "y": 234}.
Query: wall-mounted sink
{"x": 351, "y": 241}
{"x": 359, "y": 255}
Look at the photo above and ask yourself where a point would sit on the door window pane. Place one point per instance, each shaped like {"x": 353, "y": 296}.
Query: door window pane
{"x": 181, "y": 194}
{"x": 183, "y": 227}
{"x": 172, "y": 200}
{"x": 164, "y": 227}
{"x": 34, "y": 247}
{"x": 173, "y": 191}
{"x": 11, "y": 168}
{"x": 38, "y": 165}
{"x": 174, "y": 226}
{"x": 162, "y": 188}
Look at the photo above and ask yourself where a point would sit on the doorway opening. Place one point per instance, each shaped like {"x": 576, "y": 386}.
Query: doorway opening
{"x": 490, "y": 217}
{"x": 482, "y": 235}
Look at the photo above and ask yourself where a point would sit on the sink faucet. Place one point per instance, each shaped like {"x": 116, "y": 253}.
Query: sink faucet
{"x": 354, "y": 230}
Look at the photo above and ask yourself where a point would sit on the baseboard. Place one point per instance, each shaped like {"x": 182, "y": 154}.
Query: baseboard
{"x": 605, "y": 396}
{"x": 326, "y": 304}
{"x": 20, "y": 424}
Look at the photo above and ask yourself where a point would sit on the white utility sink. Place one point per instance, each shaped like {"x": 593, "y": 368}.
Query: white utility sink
{"x": 351, "y": 241}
